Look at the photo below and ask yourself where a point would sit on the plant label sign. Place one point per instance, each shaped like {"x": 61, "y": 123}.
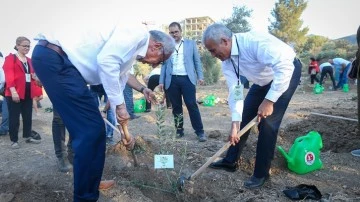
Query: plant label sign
{"x": 164, "y": 161}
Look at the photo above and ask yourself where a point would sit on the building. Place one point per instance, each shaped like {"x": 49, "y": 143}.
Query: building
{"x": 195, "y": 26}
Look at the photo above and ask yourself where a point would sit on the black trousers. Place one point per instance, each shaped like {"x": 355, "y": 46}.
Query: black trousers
{"x": 313, "y": 77}
{"x": 328, "y": 70}
{"x": 24, "y": 107}
{"x": 58, "y": 132}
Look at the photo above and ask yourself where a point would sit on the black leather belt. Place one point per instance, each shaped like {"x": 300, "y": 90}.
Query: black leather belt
{"x": 53, "y": 47}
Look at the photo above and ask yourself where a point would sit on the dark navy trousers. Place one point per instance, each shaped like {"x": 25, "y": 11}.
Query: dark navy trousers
{"x": 181, "y": 87}
{"x": 72, "y": 99}
{"x": 268, "y": 127}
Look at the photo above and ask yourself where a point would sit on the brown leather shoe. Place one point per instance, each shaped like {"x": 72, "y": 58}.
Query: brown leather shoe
{"x": 106, "y": 184}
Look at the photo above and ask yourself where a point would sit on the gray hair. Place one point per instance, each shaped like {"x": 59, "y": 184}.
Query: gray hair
{"x": 215, "y": 32}
{"x": 166, "y": 40}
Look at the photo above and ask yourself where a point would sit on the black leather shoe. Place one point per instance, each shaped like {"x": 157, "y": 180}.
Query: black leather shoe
{"x": 255, "y": 182}
{"x": 221, "y": 164}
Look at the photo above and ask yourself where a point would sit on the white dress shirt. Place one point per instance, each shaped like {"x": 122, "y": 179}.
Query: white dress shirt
{"x": 262, "y": 58}
{"x": 177, "y": 58}
{"x": 102, "y": 51}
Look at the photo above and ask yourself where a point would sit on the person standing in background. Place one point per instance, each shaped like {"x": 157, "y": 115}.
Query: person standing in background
{"x": 19, "y": 76}
{"x": 179, "y": 76}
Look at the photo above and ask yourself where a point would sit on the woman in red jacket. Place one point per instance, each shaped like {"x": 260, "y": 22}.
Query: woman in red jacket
{"x": 19, "y": 94}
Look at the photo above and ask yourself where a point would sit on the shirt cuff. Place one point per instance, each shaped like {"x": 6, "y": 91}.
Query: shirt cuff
{"x": 115, "y": 100}
{"x": 272, "y": 95}
{"x": 236, "y": 116}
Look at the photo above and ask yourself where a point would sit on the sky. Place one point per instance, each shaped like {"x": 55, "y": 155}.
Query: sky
{"x": 27, "y": 18}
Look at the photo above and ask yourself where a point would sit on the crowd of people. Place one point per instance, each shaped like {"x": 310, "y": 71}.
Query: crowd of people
{"x": 77, "y": 72}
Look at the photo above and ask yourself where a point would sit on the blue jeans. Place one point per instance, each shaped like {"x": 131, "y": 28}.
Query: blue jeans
{"x": 129, "y": 99}
{"x": 72, "y": 99}
{"x": 179, "y": 89}
{"x": 4, "y": 126}
{"x": 343, "y": 77}
{"x": 268, "y": 127}
{"x": 111, "y": 118}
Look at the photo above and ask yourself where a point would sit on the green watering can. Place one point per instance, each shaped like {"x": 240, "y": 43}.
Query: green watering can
{"x": 318, "y": 89}
{"x": 304, "y": 154}
{"x": 209, "y": 101}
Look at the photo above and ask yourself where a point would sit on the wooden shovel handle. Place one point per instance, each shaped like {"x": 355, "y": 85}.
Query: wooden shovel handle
{"x": 222, "y": 149}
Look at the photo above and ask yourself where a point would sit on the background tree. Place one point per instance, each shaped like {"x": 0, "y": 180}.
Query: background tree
{"x": 238, "y": 22}
{"x": 287, "y": 24}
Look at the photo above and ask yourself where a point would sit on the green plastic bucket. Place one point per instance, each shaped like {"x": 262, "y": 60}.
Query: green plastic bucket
{"x": 346, "y": 88}
{"x": 139, "y": 105}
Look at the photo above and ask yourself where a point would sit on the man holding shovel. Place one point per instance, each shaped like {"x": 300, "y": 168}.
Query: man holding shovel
{"x": 100, "y": 52}
{"x": 271, "y": 66}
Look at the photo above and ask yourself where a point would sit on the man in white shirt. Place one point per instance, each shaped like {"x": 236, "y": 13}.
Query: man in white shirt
{"x": 68, "y": 59}
{"x": 271, "y": 66}
{"x": 343, "y": 66}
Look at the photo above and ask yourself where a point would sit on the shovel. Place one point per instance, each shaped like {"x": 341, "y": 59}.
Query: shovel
{"x": 181, "y": 180}
{"x": 125, "y": 139}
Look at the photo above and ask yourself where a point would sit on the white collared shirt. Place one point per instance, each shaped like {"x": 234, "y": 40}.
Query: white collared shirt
{"x": 177, "y": 58}
{"x": 103, "y": 51}
{"x": 262, "y": 58}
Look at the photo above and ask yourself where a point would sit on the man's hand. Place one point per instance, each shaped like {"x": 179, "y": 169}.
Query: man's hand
{"x": 201, "y": 82}
{"x": 122, "y": 115}
{"x": 235, "y": 126}
{"x": 149, "y": 95}
{"x": 266, "y": 108}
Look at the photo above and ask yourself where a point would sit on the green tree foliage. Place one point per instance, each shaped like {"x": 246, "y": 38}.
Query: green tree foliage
{"x": 314, "y": 43}
{"x": 287, "y": 24}
{"x": 238, "y": 21}
{"x": 211, "y": 67}
{"x": 141, "y": 70}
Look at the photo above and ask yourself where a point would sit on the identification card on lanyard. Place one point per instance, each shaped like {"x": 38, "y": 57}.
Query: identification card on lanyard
{"x": 27, "y": 77}
{"x": 237, "y": 92}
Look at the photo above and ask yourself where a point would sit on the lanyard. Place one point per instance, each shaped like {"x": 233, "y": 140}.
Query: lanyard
{"x": 177, "y": 50}
{"x": 24, "y": 63}
{"x": 238, "y": 65}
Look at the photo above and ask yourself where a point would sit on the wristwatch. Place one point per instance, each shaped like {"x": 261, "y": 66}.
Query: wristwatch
{"x": 142, "y": 89}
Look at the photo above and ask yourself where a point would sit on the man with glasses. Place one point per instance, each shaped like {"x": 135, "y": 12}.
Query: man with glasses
{"x": 94, "y": 53}
{"x": 180, "y": 74}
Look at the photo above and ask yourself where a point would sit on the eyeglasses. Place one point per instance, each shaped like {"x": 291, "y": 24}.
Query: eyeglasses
{"x": 25, "y": 46}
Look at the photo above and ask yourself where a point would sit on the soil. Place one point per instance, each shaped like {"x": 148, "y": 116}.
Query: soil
{"x": 30, "y": 173}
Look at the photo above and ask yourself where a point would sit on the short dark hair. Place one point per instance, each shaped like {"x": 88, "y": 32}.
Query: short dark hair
{"x": 1, "y": 55}
{"x": 312, "y": 59}
{"x": 173, "y": 24}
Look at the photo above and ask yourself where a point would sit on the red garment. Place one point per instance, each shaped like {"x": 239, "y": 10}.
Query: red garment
{"x": 315, "y": 64}
{"x": 37, "y": 90}
{"x": 15, "y": 75}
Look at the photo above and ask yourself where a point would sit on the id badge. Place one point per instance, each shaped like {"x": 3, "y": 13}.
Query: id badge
{"x": 27, "y": 77}
{"x": 238, "y": 92}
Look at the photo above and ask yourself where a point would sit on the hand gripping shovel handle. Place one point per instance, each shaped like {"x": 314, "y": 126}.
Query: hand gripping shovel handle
{"x": 125, "y": 139}
{"x": 224, "y": 148}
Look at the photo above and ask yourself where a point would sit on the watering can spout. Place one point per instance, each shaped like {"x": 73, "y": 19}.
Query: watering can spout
{"x": 287, "y": 157}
